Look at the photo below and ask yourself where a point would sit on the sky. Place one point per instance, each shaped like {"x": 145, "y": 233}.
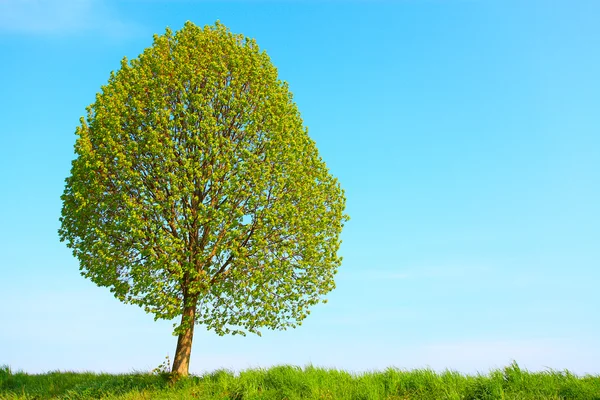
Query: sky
{"x": 465, "y": 133}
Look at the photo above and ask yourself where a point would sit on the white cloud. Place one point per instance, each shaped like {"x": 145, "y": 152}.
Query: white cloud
{"x": 452, "y": 271}
{"x": 532, "y": 354}
{"x": 465, "y": 356}
{"x": 59, "y": 17}
{"x": 425, "y": 272}
{"x": 370, "y": 317}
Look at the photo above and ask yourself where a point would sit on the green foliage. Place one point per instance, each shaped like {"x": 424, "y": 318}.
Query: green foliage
{"x": 195, "y": 184}
{"x": 164, "y": 371}
{"x": 164, "y": 367}
{"x": 287, "y": 382}
{"x": 70, "y": 385}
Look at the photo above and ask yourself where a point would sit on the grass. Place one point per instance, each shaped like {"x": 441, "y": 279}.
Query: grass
{"x": 290, "y": 383}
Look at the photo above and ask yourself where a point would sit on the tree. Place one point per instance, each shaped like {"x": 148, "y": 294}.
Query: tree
{"x": 196, "y": 192}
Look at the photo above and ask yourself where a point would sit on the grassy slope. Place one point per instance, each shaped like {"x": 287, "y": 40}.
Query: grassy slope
{"x": 286, "y": 382}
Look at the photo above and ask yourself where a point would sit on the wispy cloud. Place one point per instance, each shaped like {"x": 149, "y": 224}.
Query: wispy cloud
{"x": 371, "y": 317}
{"x": 377, "y": 275}
{"x": 452, "y": 271}
{"x": 61, "y": 17}
{"x": 425, "y": 272}
{"x": 477, "y": 355}
{"x": 534, "y": 354}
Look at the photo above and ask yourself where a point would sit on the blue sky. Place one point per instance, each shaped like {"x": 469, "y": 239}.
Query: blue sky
{"x": 466, "y": 134}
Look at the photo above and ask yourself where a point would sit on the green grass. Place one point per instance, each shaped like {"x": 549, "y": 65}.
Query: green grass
{"x": 287, "y": 382}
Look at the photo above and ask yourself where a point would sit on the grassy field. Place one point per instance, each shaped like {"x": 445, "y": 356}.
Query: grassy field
{"x": 286, "y": 382}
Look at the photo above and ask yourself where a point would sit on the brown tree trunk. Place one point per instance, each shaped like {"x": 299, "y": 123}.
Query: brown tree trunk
{"x": 181, "y": 363}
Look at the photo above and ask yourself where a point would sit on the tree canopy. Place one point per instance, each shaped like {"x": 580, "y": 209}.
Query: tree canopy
{"x": 196, "y": 191}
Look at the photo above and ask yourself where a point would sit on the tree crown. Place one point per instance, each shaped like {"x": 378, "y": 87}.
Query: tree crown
{"x": 196, "y": 183}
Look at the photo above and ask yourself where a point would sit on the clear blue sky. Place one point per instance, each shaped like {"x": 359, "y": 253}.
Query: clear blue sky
{"x": 465, "y": 133}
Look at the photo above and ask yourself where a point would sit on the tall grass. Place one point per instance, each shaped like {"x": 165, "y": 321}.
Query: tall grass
{"x": 287, "y": 382}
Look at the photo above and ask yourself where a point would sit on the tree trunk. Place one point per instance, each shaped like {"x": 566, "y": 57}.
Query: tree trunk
{"x": 181, "y": 363}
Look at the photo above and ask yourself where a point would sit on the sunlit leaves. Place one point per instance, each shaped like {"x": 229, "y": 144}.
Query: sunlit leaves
{"x": 196, "y": 183}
